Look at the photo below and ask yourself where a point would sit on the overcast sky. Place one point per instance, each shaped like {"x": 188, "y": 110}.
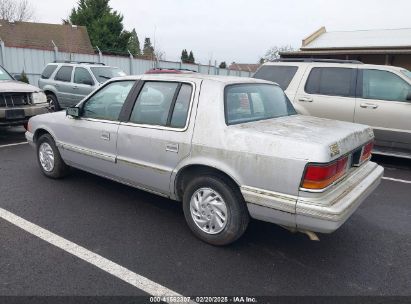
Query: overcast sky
{"x": 239, "y": 30}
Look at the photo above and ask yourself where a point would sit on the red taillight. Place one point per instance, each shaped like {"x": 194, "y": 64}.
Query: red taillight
{"x": 320, "y": 172}
{"x": 321, "y": 176}
{"x": 341, "y": 167}
{"x": 366, "y": 151}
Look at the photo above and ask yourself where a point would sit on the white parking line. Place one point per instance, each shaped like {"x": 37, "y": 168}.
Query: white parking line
{"x": 397, "y": 180}
{"x": 104, "y": 264}
{"x": 15, "y": 144}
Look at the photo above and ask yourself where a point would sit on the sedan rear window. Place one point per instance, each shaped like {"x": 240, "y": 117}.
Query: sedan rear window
{"x": 278, "y": 74}
{"x": 252, "y": 102}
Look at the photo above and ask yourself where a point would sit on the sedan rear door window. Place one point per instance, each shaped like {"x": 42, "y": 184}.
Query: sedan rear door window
{"x": 181, "y": 107}
{"x": 162, "y": 104}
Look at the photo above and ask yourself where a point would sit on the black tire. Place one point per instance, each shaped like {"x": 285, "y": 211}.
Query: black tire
{"x": 237, "y": 212}
{"x": 60, "y": 169}
{"x": 53, "y": 102}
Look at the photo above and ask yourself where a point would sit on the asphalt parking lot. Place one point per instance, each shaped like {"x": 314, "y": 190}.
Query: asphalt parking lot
{"x": 147, "y": 236}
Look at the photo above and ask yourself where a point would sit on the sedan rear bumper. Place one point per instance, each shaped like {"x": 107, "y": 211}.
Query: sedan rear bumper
{"x": 326, "y": 214}
{"x": 318, "y": 212}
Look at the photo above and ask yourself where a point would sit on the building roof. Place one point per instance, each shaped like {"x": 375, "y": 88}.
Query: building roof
{"x": 248, "y": 67}
{"x": 68, "y": 38}
{"x": 364, "y": 39}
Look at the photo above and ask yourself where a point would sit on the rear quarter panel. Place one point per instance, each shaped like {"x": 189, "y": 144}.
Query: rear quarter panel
{"x": 248, "y": 161}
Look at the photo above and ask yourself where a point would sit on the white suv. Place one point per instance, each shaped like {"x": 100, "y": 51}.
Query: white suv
{"x": 375, "y": 95}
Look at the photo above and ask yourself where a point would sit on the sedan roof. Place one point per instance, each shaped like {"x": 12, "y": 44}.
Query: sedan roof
{"x": 195, "y": 76}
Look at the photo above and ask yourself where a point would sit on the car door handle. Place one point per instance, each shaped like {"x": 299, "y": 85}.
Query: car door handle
{"x": 75, "y": 87}
{"x": 105, "y": 136}
{"x": 305, "y": 99}
{"x": 172, "y": 148}
{"x": 368, "y": 106}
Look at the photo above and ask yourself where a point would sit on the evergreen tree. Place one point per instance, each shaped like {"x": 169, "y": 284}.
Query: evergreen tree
{"x": 148, "y": 49}
{"x": 134, "y": 44}
{"x": 223, "y": 65}
{"x": 191, "y": 57}
{"x": 184, "y": 56}
{"x": 104, "y": 26}
{"x": 23, "y": 77}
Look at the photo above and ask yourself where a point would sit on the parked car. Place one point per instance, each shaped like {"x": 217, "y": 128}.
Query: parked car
{"x": 19, "y": 101}
{"x": 375, "y": 95}
{"x": 227, "y": 147}
{"x": 169, "y": 71}
{"x": 67, "y": 83}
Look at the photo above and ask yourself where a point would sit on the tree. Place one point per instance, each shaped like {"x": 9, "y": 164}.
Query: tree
{"x": 159, "y": 54}
{"x": 16, "y": 10}
{"x": 223, "y": 65}
{"x": 148, "y": 49}
{"x": 191, "y": 58}
{"x": 184, "y": 56}
{"x": 23, "y": 77}
{"x": 134, "y": 44}
{"x": 273, "y": 53}
{"x": 104, "y": 26}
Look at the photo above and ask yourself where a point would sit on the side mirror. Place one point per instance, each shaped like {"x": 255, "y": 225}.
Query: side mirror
{"x": 73, "y": 112}
{"x": 409, "y": 96}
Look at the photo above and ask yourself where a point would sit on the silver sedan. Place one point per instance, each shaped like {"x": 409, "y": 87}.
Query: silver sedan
{"x": 229, "y": 148}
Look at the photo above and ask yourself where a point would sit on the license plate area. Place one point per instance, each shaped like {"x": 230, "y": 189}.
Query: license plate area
{"x": 356, "y": 158}
{"x": 15, "y": 114}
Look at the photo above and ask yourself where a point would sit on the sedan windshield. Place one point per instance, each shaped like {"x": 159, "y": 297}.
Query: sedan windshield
{"x": 252, "y": 102}
{"x": 103, "y": 74}
{"x": 4, "y": 75}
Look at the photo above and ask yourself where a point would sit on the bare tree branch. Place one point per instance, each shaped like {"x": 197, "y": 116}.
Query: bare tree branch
{"x": 159, "y": 54}
{"x": 16, "y": 10}
{"x": 274, "y": 53}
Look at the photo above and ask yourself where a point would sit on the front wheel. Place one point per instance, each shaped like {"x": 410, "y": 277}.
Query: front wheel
{"x": 49, "y": 158}
{"x": 215, "y": 210}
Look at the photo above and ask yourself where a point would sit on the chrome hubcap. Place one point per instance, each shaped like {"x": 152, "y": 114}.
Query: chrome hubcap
{"x": 46, "y": 157}
{"x": 208, "y": 210}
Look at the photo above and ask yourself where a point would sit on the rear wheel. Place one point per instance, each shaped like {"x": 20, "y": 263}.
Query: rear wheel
{"x": 49, "y": 158}
{"x": 215, "y": 210}
{"x": 53, "y": 102}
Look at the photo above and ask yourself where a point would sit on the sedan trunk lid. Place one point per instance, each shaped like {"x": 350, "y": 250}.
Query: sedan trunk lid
{"x": 317, "y": 139}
